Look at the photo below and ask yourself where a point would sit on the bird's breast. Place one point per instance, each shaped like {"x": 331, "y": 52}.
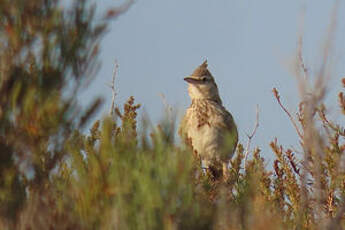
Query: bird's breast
{"x": 203, "y": 128}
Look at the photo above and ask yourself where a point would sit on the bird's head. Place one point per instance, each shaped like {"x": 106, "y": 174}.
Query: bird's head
{"x": 202, "y": 84}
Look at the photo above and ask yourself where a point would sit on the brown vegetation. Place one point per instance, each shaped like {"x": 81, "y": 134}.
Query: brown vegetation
{"x": 53, "y": 176}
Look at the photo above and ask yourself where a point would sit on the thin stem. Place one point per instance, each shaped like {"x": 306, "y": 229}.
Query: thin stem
{"x": 276, "y": 94}
{"x": 250, "y": 136}
{"x": 112, "y": 87}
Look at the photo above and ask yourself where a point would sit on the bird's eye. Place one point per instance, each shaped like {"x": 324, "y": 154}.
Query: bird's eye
{"x": 204, "y": 79}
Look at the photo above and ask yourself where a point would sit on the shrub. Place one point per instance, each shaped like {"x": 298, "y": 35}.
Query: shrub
{"x": 55, "y": 176}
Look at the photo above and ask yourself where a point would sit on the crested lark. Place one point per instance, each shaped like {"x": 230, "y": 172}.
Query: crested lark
{"x": 207, "y": 125}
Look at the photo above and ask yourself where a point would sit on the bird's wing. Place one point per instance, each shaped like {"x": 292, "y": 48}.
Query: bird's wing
{"x": 230, "y": 128}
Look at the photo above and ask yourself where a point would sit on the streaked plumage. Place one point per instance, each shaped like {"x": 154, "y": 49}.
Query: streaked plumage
{"x": 207, "y": 124}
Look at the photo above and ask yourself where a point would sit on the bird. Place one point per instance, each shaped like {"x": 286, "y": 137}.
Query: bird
{"x": 207, "y": 126}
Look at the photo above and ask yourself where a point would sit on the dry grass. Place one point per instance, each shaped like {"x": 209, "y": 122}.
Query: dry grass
{"x": 54, "y": 176}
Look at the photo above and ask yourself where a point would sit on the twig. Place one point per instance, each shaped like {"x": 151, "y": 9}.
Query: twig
{"x": 330, "y": 124}
{"x": 112, "y": 87}
{"x": 276, "y": 94}
{"x": 165, "y": 102}
{"x": 250, "y": 137}
{"x": 301, "y": 60}
{"x": 170, "y": 113}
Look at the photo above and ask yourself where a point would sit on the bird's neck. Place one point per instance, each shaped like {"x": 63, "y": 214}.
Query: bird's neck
{"x": 215, "y": 99}
{"x": 198, "y": 93}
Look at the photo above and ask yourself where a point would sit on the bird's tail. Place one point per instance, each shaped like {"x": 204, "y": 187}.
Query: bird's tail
{"x": 215, "y": 170}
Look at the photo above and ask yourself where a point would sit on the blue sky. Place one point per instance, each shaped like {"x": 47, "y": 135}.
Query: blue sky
{"x": 249, "y": 45}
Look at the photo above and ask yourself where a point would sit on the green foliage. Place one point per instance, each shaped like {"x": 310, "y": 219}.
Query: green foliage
{"x": 134, "y": 187}
{"x": 55, "y": 176}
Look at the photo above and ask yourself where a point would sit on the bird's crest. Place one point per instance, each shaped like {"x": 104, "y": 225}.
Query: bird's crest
{"x": 202, "y": 70}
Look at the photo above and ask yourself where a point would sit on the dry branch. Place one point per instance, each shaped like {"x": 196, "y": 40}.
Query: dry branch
{"x": 112, "y": 87}
{"x": 250, "y": 136}
{"x": 276, "y": 95}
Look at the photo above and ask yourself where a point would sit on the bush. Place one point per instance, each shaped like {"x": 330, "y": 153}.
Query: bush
{"x": 54, "y": 176}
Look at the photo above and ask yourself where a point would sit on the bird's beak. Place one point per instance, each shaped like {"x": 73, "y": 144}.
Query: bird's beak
{"x": 191, "y": 80}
